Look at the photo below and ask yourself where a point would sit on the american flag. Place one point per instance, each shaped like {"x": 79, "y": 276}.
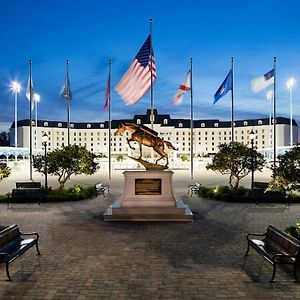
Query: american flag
{"x": 137, "y": 80}
{"x": 183, "y": 88}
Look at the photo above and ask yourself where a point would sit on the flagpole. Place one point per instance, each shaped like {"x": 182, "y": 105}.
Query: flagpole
{"x": 151, "y": 90}
{"x": 30, "y": 118}
{"x": 68, "y": 99}
{"x": 109, "y": 119}
{"x": 232, "y": 107}
{"x": 192, "y": 122}
{"x": 274, "y": 116}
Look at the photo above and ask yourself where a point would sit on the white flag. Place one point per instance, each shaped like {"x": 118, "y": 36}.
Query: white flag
{"x": 183, "y": 88}
{"x": 262, "y": 82}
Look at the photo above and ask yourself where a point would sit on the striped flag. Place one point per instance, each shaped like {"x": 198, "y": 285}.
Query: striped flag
{"x": 107, "y": 93}
{"x": 137, "y": 80}
{"x": 183, "y": 88}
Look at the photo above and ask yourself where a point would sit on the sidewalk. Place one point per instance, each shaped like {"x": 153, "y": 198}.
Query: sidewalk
{"x": 84, "y": 257}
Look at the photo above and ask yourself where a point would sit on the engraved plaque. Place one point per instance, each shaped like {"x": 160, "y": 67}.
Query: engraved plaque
{"x": 147, "y": 186}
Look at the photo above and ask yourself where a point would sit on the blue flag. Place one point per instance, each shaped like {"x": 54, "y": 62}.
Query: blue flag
{"x": 224, "y": 88}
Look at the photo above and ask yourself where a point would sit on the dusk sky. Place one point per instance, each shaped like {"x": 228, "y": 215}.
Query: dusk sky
{"x": 91, "y": 32}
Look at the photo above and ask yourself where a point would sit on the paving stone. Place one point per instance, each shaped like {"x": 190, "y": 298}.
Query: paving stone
{"x": 84, "y": 257}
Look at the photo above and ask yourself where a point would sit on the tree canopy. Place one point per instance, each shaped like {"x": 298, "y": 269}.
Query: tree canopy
{"x": 4, "y": 171}
{"x": 236, "y": 160}
{"x": 287, "y": 172}
{"x": 65, "y": 162}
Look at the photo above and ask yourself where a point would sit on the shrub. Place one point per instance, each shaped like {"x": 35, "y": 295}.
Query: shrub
{"x": 72, "y": 194}
{"x": 294, "y": 231}
{"x": 5, "y": 198}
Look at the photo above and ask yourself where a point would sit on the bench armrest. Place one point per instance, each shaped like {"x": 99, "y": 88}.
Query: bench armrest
{"x": 277, "y": 257}
{"x": 255, "y": 234}
{"x": 31, "y": 233}
{"x": 4, "y": 255}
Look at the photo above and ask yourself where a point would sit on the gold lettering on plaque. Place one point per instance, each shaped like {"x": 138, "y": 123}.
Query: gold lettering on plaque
{"x": 147, "y": 186}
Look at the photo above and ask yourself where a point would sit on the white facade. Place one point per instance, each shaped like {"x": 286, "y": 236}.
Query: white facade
{"x": 208, "y": 134}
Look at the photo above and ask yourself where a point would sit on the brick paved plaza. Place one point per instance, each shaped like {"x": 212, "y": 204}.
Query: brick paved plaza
{"x": 84, "y": 257}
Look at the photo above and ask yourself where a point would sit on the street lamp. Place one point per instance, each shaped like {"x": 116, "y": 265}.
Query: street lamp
{"x": 45, "y": 140}
{"x": 36, "y": 98}
{"x": 290, "y": 84}
{"x": 252, "y": 137}
{"x": 16, "y": 88}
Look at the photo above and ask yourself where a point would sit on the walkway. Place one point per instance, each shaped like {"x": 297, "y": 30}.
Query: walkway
{"x": 84, "y": 257}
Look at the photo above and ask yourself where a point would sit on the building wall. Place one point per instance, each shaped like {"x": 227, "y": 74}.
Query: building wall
{"x": 206, "y": 140}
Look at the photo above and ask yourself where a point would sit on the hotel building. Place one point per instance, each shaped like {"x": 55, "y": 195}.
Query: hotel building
{"x": 208, "y": 134}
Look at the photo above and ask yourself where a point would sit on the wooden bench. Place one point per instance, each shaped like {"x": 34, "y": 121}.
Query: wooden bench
{"x": 27, "y": 191}
{"x": 194, "y": 188}
{"x": 13, "y": 244}
{"x": 260, "y": 186}
{"x": 276, "y": 247}
{"x": 102, "y": 189}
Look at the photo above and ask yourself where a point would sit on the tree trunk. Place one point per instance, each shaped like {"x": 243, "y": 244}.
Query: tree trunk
{"x": 230, "y": 181}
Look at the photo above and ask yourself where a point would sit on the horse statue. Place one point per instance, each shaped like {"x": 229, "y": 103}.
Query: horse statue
{"x": 147, "y": 137}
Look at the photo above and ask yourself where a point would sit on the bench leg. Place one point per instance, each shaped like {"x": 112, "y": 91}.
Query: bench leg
{"x": 37, "y": 248}
{"x": 7, "y": 271}
{"x": 274, "y": 272}
{"x": 246, "y": 254}
{"x": 295, "y": 272}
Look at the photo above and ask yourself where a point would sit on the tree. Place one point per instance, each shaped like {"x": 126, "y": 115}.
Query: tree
{"x": 184, "y": 158}
{"x": 65, "y": 162}
{"x": 287, "y": 173}
{"x": 235, "y": 159}
{"x": 4, "y": 138}
{"x": 4, "y": 171}
{"x": 120, "y": 157}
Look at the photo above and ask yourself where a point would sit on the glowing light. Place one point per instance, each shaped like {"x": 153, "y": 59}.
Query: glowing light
{"x": 15, "y": 86}
{"x": 290, "y": 83}
{"x": 36, "y": 97}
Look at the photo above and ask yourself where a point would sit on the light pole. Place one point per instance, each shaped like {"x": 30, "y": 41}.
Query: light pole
{"x": 45, "y": 141}
{"x": 290, "y": 84}
{"x": 36, "y": 98}
{"x": 252, "y": 137}
{"x": 16, "y": 88}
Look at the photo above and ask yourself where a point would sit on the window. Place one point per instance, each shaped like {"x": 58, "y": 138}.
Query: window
{"x": 88, "y": 126}
{"x": 72, "y": 125}
{"x": 165, "y": 121}
{"x": 138, "y": 121}
{"x": 59, "y": 124}
{"x": 45, "y": 124}
{"x": 216, "y": 125}
{"x": 202, "y": 125}
{"x": 101, "y": 125}
{"x": 180, "y": 125}
{"x": 245, "y": 123}
{"x": 259, "y": 122}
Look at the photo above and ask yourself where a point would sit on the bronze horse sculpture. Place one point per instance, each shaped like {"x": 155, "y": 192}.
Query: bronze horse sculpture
{"x": 147, "y": 137}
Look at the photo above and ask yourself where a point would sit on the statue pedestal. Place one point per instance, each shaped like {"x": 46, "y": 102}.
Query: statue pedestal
{"x": 148, "y": 196}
